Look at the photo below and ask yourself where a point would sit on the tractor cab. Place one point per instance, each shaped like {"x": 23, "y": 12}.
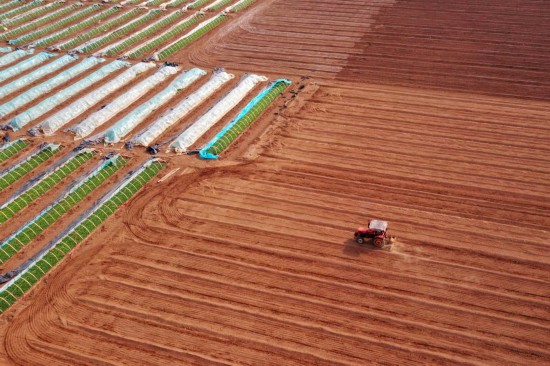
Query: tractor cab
{"x": 376, "y": 230}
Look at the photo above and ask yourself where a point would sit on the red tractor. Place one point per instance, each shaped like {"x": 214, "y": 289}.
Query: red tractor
{"x": 377, "y": 231}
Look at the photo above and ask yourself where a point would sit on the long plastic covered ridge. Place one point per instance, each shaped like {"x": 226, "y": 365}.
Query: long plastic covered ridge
{"x": 13, "y": 56}
{"x": 48, "y": 85}
{"x": 157, "y": 128}
{"x": 30, "y": 272}
{"x": 25, "y": 65}
{"x": 98, "y": 118}
{"x": 205, "y": 152}
{"x": 125, "y": 125}
{"x": 217, "y": 112}
{"x": 35, "y": 75}
{"x": 5, "y": 49}
{"x": 50, "y": 103}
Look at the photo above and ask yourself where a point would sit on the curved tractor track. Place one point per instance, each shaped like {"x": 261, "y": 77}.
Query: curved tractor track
{"x": 431, "y": 115}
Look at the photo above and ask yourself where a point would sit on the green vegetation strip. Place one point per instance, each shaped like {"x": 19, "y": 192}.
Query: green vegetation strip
{"x": 20, "y": 9}
{"x": 47, "y": 217}
{"x": 100, "y": 29}
{"x": 38, "y": 22}
{"x": 176, "y": 3}
{"x": 43, "y": 186}
{"x": 219, "y": 5}
{"x": 178, "y": 45}
{"x": 198, "y": 3}
{"x": 46, "y": 41}
{"x": 10, "y": 5}
{"x": 12, "y": 148}
{"x": 121, "y": 31}
{"x": 238, "y": 7}
{"x": 244, "y": 119}
{"x": 145, "y": 33}
{"x": 31, "y": 14}
{"x": 166, "y": 36}
{"x": 60, "y": 248}
{"x": 20, "y": 170}
{"x": 59, "y": 24}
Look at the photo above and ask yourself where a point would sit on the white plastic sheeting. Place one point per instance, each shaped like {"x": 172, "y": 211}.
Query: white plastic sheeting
{"x": 5, "y": 49}
{"x": 98, "y": 118}
{"x": 148, "y": 135}
{"x": 15, "y": 55}
{"x": 125, "y": 125}
{"x": 35, "y": 75}
{"x": 214, "y": 114}
{"x": 25, "y": 65}
{"x": 48, "y": 85}
{"x": 64, "y": 116}
{"x": 50, "y": 103}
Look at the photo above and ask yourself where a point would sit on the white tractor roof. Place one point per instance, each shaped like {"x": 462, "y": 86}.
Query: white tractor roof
{"x": 378, "y": 224}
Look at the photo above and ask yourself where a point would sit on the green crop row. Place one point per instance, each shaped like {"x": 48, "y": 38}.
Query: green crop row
{"x": 26, "y": 166}
{"x": 38, "y": 22}
{"x": 50, "y": 215}
{"x": 145, "y": 33}
{"x": 198, "y": 4}
{"x": 13, "y": 149}
{"x": 75, "y": 236}
{"x": 245, "y": 4}
{"x": 122, "y": 31}
{"x": 157, "y": 2}
{"x": 192, "y": 37}
{"x": 43, "y": 186}
{"x": 31, "y": 15}
{"x": 46, "y": 41}
{"x": 20, "y": 9}
{"x": 255, "y": 108}
{"x": 11, "y": 4}
{"x": 101, "y": 29}
{"x": 176, "y": 3}
{"x": 219, "y": 5}
{"x": 56, "y": 25}
{"x": 166, "y": 36}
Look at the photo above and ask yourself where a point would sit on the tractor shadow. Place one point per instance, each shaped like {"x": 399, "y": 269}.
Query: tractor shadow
{"x": 353, "y": 249}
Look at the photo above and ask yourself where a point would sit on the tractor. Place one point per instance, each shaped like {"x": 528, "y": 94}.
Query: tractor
{"x": 377, "y": 230}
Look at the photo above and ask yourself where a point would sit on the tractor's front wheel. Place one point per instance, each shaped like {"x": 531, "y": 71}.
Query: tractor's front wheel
{"x": 360, "y": 240}
{"x": 379, "y": 242}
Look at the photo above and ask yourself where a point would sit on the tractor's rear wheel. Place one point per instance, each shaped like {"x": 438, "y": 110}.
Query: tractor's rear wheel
{"x": 379, "y": 242}
{"x": 360, "y": 240}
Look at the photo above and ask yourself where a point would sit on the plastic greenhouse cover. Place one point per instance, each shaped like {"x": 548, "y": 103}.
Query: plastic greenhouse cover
{"x": 148, "y": 135}
{"x": 217, "y": 112}
{"x": 15, "y": 55}
{"x": 35, "y": 75}
{"x": 96, "y": 119}
{"x": 30, "y": 262}
{"x": 204, "y": 154}
{"x": 138, "y": 20}
{"x": 146, "y": 42}
{"x": 48, "y": 85}
{"x": 125, "y": 125}
{"x": 48, "y": 104}
{"x": 104, "y": 50}
{"x": 5, "y": 49}
{"x": 98, "y": 16}
{"x": 198, "y": 27}
{"x": 25, "y": 65}
{"x": 78, "y": 107}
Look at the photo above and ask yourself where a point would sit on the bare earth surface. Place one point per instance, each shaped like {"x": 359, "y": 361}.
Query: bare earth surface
{"x": 433, "y": 115}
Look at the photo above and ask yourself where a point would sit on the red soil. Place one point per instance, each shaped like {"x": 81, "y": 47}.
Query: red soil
{"x": 432, "y": 115}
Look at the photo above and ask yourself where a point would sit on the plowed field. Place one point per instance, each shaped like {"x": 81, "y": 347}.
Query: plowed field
{"x": 432, "y": 115}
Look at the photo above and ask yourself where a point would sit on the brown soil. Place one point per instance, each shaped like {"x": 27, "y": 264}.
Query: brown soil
{"x": 432, "y": 115}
